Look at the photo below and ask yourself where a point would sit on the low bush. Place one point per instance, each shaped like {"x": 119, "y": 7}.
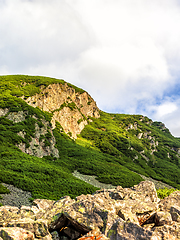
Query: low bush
{"x": 165, "y": 192}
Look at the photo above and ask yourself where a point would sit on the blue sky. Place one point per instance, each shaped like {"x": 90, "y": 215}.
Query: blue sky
{"x": 126, "y": 54}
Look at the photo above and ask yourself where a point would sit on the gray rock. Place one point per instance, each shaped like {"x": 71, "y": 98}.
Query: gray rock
{"x": 123, "y": 214}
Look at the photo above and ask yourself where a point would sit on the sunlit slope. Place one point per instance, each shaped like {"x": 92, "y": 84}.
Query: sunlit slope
{"x": 143, "y": 146}
{"x": 48, "y": 177}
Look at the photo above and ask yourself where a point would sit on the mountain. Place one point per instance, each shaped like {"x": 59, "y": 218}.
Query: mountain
{"x": 50, "y": 128}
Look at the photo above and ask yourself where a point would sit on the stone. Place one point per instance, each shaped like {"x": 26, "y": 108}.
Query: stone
{"x": 119, "y": 213}
{"x": 47, "y": 237}
{"x": 172, "y": 200}
{"x": 3, "y": 112}
{"x": 7, "y": 213}
{"x": 168, "y": 231}
{"x": 127, "y": 215}
{"x": 17, "y": 197}
{"x": 16, "y": 233}
{"x": 131, "y": 231}
{"x": 94, "y": 234}
{"x": 162, "y": 218}
{"x": 175, "y": 213}
{"x": 55, "y": 235}
{"x": 38, "y": 227}
{"x": 43, "y": 203}
{"x": 37, "y": 147}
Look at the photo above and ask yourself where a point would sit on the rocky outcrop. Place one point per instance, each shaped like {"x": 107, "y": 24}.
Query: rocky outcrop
{"x": 124, "y": 214}
{"x": 70, "y": 108}
{"x": 3, "y": 112}
{"x": 42, "y": 143}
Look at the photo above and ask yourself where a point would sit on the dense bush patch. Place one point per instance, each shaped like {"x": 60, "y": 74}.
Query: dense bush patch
{"x": 165, "y": 192}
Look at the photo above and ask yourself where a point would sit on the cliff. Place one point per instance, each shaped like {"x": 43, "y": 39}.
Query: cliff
{"x": 121, "y": 213}
{"x": 70, "y": 108}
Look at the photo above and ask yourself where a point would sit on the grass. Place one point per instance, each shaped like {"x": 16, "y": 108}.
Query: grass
{"x": 24, "y": 85}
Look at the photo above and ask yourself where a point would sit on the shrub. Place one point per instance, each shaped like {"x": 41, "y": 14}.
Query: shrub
{"x": 165, "y": 192}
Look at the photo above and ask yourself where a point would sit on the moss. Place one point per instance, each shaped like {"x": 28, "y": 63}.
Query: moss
{"x": 111, "y": 232}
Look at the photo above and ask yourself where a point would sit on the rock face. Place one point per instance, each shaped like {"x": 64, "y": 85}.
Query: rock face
{"x": 42, "y": 143}
{"x": 124, "y": 214}
{"x": 70, "y": 108}
{"x": 37, "y": 146}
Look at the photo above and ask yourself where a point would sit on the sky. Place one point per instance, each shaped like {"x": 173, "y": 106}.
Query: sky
{"x": 124, "y": 53}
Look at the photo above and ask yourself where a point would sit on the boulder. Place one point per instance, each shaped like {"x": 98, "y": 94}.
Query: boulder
{"x": 120, "y": 213}
{"x": 168, "y": 231}
{"x": 162, "y": 218}
{"x": 16, "y": 233}
{"x": 38, "y": 227}
{"x": 175, "y": 213}
{"x": 172, "y": 200}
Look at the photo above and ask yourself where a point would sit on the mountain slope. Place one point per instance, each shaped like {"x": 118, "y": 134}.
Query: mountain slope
{"x": 50, "y": 128}
{"x": 141, "y": 145}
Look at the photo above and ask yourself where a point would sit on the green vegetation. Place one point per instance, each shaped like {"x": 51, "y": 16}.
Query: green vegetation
{"x": 24, "y": 85}
{"x": 80, "y": 120}
{"x": 3, "y": 190}
{"x": 51, "y": 177}
{"x": 117, "y": 135}
{"x": 72, "y": 106}
{"x": 165, "y": 192}
{"x": 114, "y": 147}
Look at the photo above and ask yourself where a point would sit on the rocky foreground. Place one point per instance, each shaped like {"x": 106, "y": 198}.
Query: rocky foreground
{"x": 120, "y": 214}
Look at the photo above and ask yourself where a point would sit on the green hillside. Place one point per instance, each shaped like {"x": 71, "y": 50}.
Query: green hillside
{"x": 114, "y": 147}
{"x": 154, "y": 155}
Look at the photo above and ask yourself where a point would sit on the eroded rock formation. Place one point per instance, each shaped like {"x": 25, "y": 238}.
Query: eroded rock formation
{"x": 42, "y": 143}
{"x": 124, "y": 214}
{"x": 70, "y": 108}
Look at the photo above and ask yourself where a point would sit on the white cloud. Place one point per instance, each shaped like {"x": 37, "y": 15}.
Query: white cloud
{"x": 40, "y": 32}
{"x": 169, "y": 113}
{"x": 165, "y": 109}
{"x": 132, "y": 60}
{"x": 126, "y": 54}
